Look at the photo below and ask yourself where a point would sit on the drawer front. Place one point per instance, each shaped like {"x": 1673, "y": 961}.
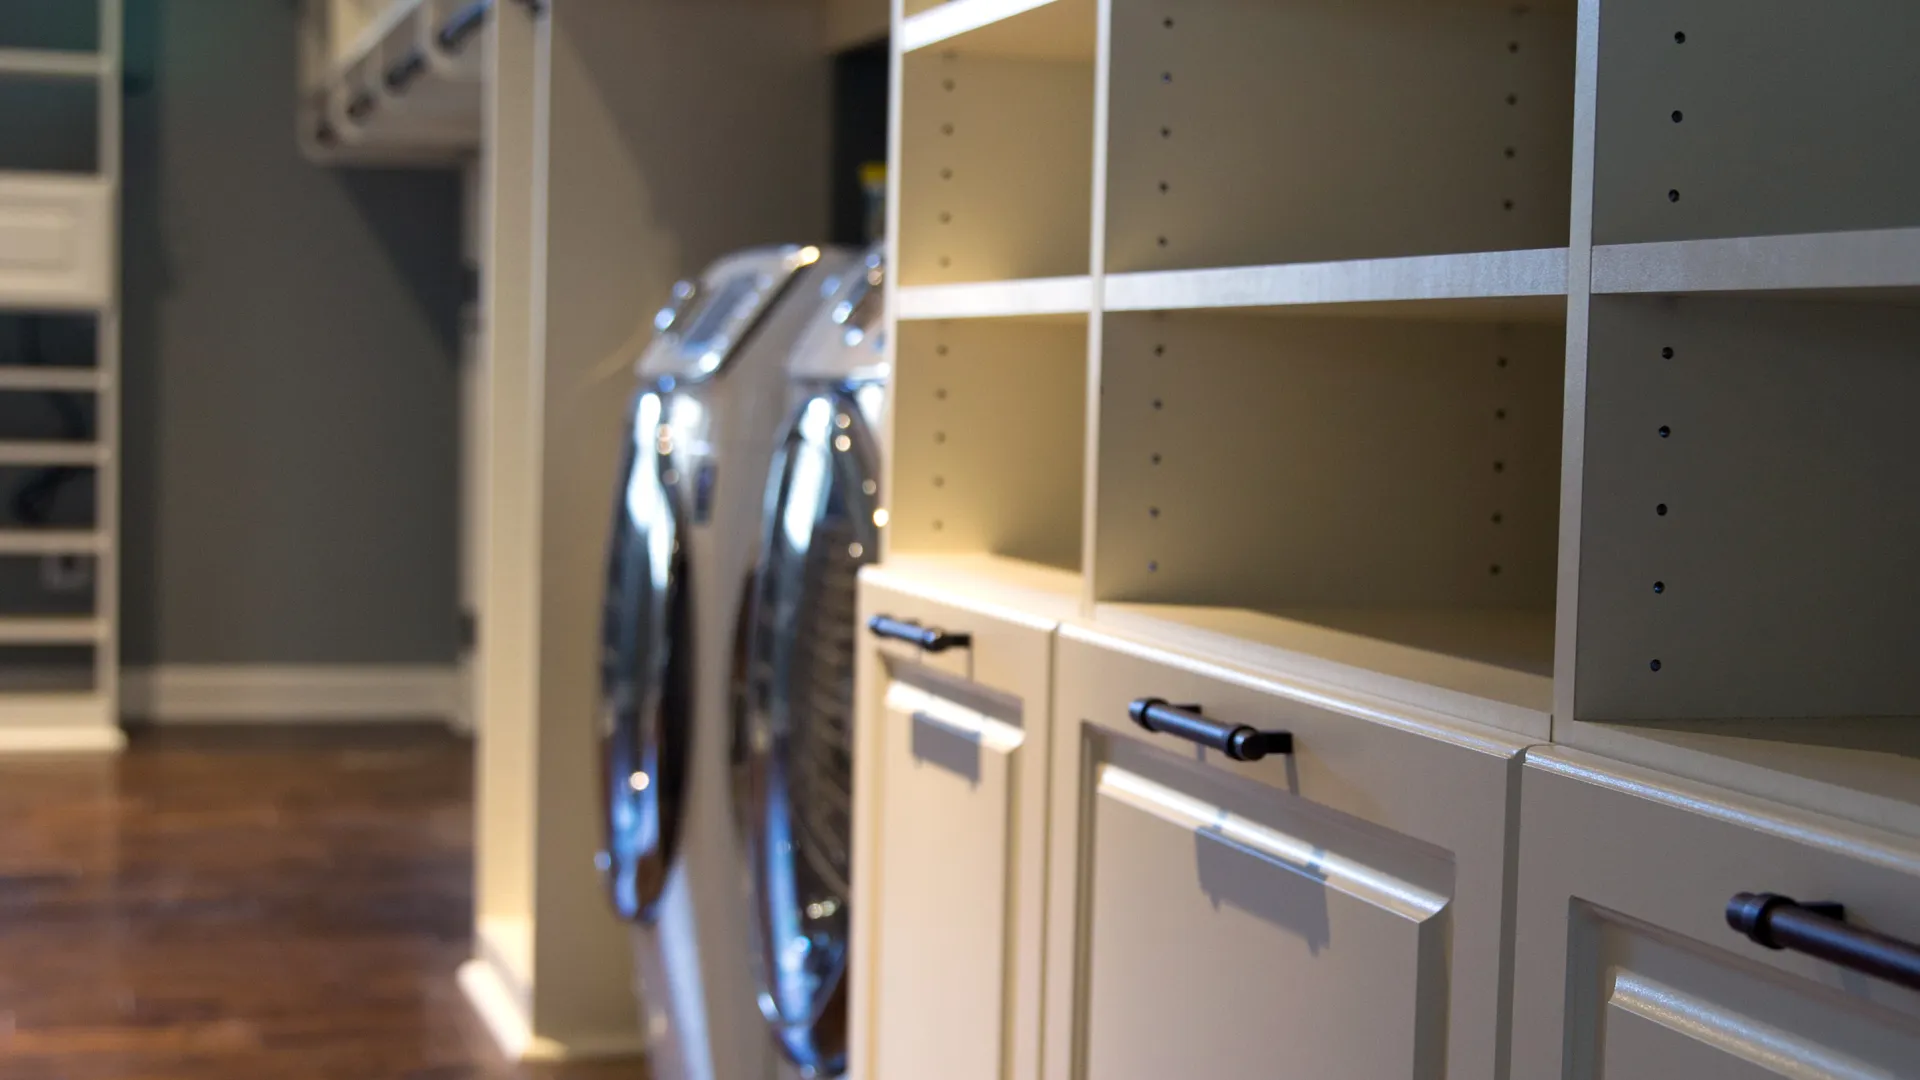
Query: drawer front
{"x": 1335, "y": 912}
{"x": 950, "y": 828}
{"x": 1626, "y": 967}
{"x": 56, "y": 241}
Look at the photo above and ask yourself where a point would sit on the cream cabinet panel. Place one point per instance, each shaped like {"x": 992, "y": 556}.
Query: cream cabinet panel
{"x": 950, "y": 828}
{"x": 1627, "y": 968}
{"x": 1334, "y": 912}
{"x": 56, "y": 241}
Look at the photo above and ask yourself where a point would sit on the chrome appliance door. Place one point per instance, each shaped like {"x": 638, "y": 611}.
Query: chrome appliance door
{"x": 645, "y": 671}
{"x": 795, "y": 729}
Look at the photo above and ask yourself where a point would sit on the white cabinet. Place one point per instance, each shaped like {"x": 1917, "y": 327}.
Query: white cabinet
{"x": 950, "y": 818}
{"x": 1627, "y": 967}
{"x": 1334, "y": 912}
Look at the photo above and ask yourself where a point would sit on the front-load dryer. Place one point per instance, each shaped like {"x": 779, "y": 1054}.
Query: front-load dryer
{"x": 686, "y": 525}
{"x": 793, "y": 732}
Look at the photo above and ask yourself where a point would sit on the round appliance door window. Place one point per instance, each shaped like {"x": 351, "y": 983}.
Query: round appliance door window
{"x": 645, "y": 681}
{"x": 795, "y": 723}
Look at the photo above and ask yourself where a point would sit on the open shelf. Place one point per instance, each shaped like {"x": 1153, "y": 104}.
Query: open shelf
{"x": 51, "y": 542}
{"x": 1295, "y": 131}
{"x": 1381, "y": 494}
{"x": 1028, "y": 587}
{"x": 1747, "y": 530}
{"x": 1879, "y": 264}
{"x": 40, "y": 630}
{"x": 1032, "y": 298}
{"x": 52, "y": 452}
{"x": 1727, "y": 118}
{"x": 1518, "y": 285}
{"x": 989, "y": 439}
{"x": 401, "y": 79}
{"x": 66, "y": 26}
{"x": 1059, "y": 29}
{"x": 996, "y": 148}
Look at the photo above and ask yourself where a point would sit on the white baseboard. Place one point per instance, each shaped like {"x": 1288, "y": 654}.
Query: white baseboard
{"x": 63, "y": 739}
{"x": 505, "y": 1018}
{"x": 287, "y": 694}
{"x": 71, "y": 723}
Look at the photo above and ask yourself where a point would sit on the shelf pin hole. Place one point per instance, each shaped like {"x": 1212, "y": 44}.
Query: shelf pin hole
{"x": 1678, "y": 116}
{"x": 1666, "y": 353}
{"x": 1153, "y": 566}
{"x": 1659, "y": 587}
{"x": 1156, "y": 459}
{"x": 1499, "y": 466}
{"x": 1159, "y": 350}
{"x": 1655, "y": 666}
{"x": 1166, "y": 133}
{"x": 1508, "y": 204}
{"x": 1166, "y": 76}
{"x": 1494, "y": 570}
{"x": 1153, "y": 511}
{"x": 1673, "y": 195}
{"x": 1513, "y": 99}
{"x": 1665, "y": 431}
{"x": 1499, "y": 518}
{"x": 1499, "y": 414}
{"x": 1168, "y": 23}
{"x": 1512, "y": 152}
{"x": 1661, "y": 510}
{"x": 1158, "y": 404}
{"x": 1680, "y": 37}
{"x": 946, "y": 129}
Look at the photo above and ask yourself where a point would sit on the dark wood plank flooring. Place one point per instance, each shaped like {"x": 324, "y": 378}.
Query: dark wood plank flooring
{"x": 245, "y": 903}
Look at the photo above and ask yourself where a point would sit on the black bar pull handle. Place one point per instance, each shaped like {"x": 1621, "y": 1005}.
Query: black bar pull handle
{"x": 928, "y": 638}
{"x": 1237, "y": 741}
{"x": 1780, "y": 922}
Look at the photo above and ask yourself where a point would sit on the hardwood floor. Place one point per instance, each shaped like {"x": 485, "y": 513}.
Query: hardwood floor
{"x": 259, "y": 904}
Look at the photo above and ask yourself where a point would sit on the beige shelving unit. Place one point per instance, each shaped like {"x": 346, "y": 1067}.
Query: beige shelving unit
{"x": 59, "y": 288}
{"x": 1531, "y": 377}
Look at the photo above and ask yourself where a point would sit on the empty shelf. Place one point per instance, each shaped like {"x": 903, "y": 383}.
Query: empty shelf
{"x": 45, "y": 630}
{"x": 50, "y": 64}
{"x": 52, "y": 453}
{"x": 51, "y": 542}
{"x": 1875, "y": 261}
{"x": 1038, "y": 29}
{"x": 60, "y": 379}
{"x": 1027, "y": 298}
{"x": 1494, "y": 284}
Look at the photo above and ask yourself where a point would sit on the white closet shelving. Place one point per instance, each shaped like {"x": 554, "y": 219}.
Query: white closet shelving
{"x": 392, "y": 81}
{"x": 1533, "y": 377}
{"x": 59, "y": 285}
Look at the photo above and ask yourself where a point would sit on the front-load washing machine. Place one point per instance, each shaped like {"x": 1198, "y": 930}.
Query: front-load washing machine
{"x": 686, "y": 524}
{"x": 793, "y": 733}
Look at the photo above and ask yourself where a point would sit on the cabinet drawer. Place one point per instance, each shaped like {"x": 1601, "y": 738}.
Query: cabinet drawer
{"x": 950, "y": 833}
{"x": 1627, "y": 967}
{"x": 1335, "y": 912}
{"x": 56, "y": 241}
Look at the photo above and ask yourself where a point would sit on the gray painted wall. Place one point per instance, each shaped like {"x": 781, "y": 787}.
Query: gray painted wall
{"x": 290, "y": 398}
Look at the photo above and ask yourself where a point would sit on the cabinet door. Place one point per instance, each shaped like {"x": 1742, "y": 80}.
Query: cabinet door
{"x": 1337, "y": 912}
{"x": 1627, "y": 968}
{"x": 950, "y": 834}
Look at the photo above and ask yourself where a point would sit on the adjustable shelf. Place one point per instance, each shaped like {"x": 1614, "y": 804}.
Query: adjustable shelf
{"x": 1372, "y": 502}
{"x": 994, "y": 165}
{"x": 49, "y": 64}
{"x": 1518, "y": 285}
{"x": 53, "y": 542}
{"x": 1031, "y": 298}
{"x": 50, "y": 630}
{"x": 1875, "y": 264}
{"x": 53, "y": 379}
{"x": 54, "y": 452}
